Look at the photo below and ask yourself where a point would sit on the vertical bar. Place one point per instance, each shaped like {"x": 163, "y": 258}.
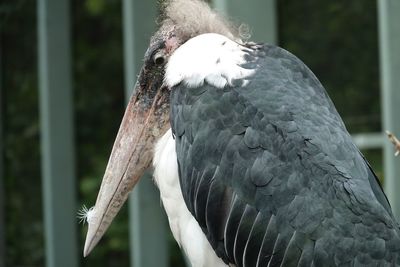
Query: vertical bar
{"x": 57, "y": 144}
{"x": 2, "y": 198}
{"x": 389, "y": 40}
{"x": 259, "y": 15}
{"x": 148, "y": 223}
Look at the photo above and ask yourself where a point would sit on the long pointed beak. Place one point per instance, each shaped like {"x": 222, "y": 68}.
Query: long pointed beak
{"x": 145, "y": 119}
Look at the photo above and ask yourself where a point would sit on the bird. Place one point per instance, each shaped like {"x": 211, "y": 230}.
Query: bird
{"x": 253, "y": 162}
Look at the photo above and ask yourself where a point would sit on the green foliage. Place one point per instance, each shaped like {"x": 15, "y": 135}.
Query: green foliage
{"x": 21, "y": 138}
{"x": 95, "y": 7}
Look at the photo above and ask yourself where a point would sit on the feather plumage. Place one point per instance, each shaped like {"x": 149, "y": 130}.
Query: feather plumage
{"x": 275, "y": 170}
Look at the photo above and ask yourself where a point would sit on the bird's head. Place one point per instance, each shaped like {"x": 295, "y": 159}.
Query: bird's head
{"x": 147, "y": 115}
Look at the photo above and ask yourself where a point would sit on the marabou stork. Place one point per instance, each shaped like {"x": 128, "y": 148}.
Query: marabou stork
{"x": 254, "y": 164}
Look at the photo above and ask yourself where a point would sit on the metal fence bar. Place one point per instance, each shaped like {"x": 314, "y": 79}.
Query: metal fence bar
{"x": 57, "y": 145}
{"x": 369, "y": 140}
{"x": 389, "y": 40}
{"x": 148, "y": 222}
{"x": 259, "y": 15}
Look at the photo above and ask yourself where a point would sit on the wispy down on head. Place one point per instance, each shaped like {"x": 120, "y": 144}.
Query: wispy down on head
{"x": 193, "y": 17}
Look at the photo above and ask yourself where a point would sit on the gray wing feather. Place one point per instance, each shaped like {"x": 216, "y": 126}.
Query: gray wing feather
{"x": 272, "y": 176}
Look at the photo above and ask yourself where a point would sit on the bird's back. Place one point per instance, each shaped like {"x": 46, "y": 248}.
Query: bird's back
{"x": 271, "y": 174}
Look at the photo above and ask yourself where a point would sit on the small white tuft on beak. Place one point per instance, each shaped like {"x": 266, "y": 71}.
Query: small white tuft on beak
{"x": 85, "y": 214}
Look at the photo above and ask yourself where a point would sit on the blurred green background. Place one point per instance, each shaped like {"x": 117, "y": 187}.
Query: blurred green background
{"x": 337, "y": 39}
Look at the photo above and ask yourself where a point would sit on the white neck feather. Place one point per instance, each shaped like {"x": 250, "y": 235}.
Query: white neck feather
{"x": 184, "y": 226}
{"x": 211, "y": 58}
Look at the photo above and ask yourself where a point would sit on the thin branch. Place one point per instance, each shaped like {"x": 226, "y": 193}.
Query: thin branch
{"x": 395, "y": 142}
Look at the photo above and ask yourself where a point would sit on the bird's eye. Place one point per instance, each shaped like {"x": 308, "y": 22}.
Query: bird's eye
{"x": 159, "y": 58}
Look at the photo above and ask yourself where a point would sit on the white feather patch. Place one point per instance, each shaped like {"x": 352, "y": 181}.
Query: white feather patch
{"x": 211, "y": 58}
{"x": 184, "y": 226}
{"x": 85, "y": 214}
